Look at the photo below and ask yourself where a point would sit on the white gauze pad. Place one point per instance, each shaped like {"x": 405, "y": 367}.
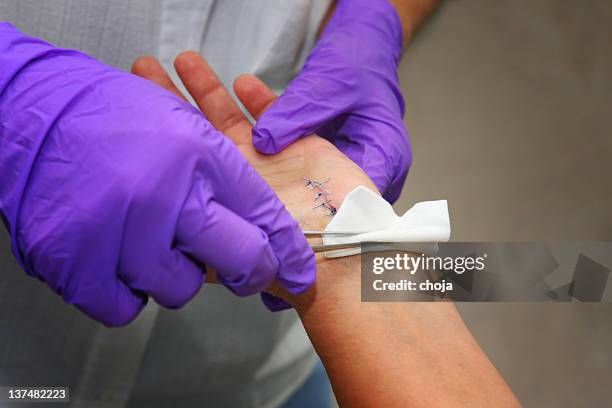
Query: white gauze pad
{"x": 364, "y": 210}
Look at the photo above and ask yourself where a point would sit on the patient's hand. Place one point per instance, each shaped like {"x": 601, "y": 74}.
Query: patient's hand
{"x": 311, "y": 158}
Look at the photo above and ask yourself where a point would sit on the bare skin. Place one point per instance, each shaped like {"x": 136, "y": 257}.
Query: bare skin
{"x": 412, "y": 14}
{"x": 376, "y": 354}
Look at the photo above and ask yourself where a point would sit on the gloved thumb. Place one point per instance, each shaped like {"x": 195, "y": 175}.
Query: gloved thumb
{"x": 306, "y": 105}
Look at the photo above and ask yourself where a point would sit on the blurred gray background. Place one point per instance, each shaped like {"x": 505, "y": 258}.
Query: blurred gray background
{"x": 509, "y": 106}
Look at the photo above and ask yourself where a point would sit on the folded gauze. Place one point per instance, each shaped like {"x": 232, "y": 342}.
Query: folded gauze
{"x": 367, "y": 212}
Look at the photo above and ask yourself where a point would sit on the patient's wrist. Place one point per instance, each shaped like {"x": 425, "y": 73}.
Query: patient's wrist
{"x": 338, "y": 279}
{"x": 338, "y": 286}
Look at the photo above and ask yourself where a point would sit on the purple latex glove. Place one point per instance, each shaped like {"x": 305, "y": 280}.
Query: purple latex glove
{"x": 348, "y": 92}
{"x": 115, "y": 190}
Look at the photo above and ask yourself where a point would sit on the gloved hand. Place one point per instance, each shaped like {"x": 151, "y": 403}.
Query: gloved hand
{"x": 348, "y": 92}
{"x": 114, "y": 189}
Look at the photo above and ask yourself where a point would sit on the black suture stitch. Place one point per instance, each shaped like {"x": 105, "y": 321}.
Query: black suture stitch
{"x": 317, "y": 186}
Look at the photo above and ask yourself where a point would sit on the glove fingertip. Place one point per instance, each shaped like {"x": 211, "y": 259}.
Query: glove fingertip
{"x": 256, "y": 277}
{"x": 127, "y": 309}
{"x": 183, "y": 280}
{"x": 264, "y": 142}
{"x": 301, "y": 280}
{"x": 112, "y": 310}
{"x": 273, "y": 303}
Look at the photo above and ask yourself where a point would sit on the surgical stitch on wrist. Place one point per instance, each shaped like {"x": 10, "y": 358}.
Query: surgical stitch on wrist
{"x": 321, "y": 195}
{"x": 365, "y": 217}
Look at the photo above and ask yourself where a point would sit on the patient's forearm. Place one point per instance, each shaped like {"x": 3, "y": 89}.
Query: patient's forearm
{"x": 388, "y": 354}
{"x": 396, "y": 354}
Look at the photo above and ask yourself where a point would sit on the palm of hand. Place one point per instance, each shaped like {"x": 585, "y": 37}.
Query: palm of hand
{"x": 311, "y": 158}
